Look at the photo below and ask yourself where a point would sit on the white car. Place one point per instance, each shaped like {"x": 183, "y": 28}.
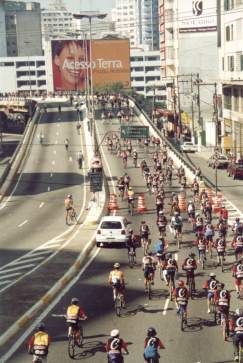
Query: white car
{"x": 189, "y": 147}
{"x": 112, "y": 230}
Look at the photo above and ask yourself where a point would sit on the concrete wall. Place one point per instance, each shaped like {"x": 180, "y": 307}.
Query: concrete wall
{"x": 7, "y": 79}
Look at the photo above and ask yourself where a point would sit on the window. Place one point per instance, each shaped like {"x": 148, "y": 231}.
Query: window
{"x": 227, "y": 98}
{"x": 227, "y": 33}
{"x": 223, "y": 64}
{"x": 111, "y": 225}
{"x": 236, "y": 99}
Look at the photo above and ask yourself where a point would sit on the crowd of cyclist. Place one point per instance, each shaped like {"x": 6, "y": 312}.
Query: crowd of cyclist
{"x": 210, "y": 234}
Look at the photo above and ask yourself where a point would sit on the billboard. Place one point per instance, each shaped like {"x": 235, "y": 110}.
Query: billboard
{"x": 71, "y": 63}
{"x": 197, "y": 16}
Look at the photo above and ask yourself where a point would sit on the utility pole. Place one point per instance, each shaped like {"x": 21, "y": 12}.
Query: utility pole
{"x": 192, "y": 108}
{"x": 179, "y": 101}
{"x": 198, "y": 99}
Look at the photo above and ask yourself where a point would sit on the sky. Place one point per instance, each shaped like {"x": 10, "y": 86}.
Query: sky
{"x": 75, "y": 5}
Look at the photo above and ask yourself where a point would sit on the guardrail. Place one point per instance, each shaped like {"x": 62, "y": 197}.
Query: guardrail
{"x": 189, "y": 164}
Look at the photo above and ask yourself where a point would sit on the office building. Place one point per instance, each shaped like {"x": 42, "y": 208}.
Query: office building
{"x": 139, "y": 21}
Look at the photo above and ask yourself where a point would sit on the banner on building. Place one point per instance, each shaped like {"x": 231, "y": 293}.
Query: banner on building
{"x": 197, "y": 16}
{"x": 71, "y": 63}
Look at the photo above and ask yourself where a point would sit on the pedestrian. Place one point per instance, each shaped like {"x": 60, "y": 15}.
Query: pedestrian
{"x": 80, "y": 159}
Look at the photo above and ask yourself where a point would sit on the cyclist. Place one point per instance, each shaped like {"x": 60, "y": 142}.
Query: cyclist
{"x": 202, "y": 246}
{"x": 144, "y": 232}
{"x": 121, "y": 187}
{"x": 66, "y": 143}
{"x": 162, "y": 223}
{"x": 236, "y": 323}
{"x": 117, "y": 281}
{"x": 73, "y": 315}
{"x": 124, "y": 158}
{"x": 222, "y": 300}
{"x": 143, "y": 165}
{"x": 237, "y": 271}
{"x": 135, "y": 158}
{"x": 80, "y": 159}
{"x": 151, "y": 346}
{"x": 114, "y": 347}
{"x": 159, "y": 249}
{"x": 181, "y": 296}
{"x": 220, "y": 245}
{"x": 68, "y": 202}
{"x": 198, "y": 225}
{"x": 149, "y": 270}
{"x": 132, "y": 243}
{"x": 237, "y": 243}
{"x": 41, "y": 137}
{"x": 222, "y": 227}
{"x": 59, "y": 108}
{"x": 170, "y": 268}
{"x": 195, "y": 189}
{"x": 191, "y": 210}
{"x": 176, "y": 224}
{"x": 211, "y": 286}
{"x": 39, "y": 343}
{"x": 209, "y": 233}
{"x": 130, "y": 199}
{"x": 159, "y": 201}
{"x": 127, "y": 180}
{"x": 237, "y": 227}
{"x": 190, "y": 265}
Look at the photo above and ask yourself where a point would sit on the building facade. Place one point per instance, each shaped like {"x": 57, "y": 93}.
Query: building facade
{"x": 145, "y": 74}
{"x": 20, "y": 74}
{"x": 139, "y": 21}
{"x": 230, "y": 42}
{"x": 188, "y": 51}
{"x": 22, "y": 33}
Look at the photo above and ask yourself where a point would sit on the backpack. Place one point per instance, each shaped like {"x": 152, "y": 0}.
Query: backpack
{"x": 151, "y": 350}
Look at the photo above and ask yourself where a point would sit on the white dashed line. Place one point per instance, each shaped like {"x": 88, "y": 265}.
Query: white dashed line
{"x": 53, "y": 162}
{"x": 56, "y": 142}
{"x": 58, "y": 125}
{"x": 27, "y": 260}
{"x": 48, "y": 189}
{"x": 10, "y": 275}
{"x": 49, "y": 246}
{"x": 57, "y": 133}
{"x": 15, "y": 269}
{"x": 41, "y": 205}
{"x": 51, "y": 175}
{"x": 5, "y": 282}
{"x": 54, "y": 152}
{"x": 167, "y": 301}
{"x": 176, "y": 256}
{"x": 23, "y": 223}
{"x": 70, "y": 159}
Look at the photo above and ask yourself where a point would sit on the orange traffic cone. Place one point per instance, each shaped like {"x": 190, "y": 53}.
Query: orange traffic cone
{"x": 112, "y": 205}
{"x": 182, "y": 202}
{"x": 141, "y": 204}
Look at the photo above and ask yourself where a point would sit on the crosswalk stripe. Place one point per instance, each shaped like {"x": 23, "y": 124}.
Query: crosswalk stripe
{"x": 16, "y": 268}
{"x": 10, "y": 275}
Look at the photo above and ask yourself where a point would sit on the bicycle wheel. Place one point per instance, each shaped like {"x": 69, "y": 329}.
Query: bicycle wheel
{"x": 240, "y": 352}
{"x": 171, "y": 289}
{"x": 161, "y": 273}
{"x": 118, "y": 306}
{"x": 71, "y": 347}
{"x": 182, "y": 319}
{"x": 149, "y": 290}
{"x": 80, "y": 339}
{"x": 190, "y": 287}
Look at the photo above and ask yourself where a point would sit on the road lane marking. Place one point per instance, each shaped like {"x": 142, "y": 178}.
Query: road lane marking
{"x": 5, "y": 282}
{"x": 48, "y": 189}
{"x": 58, "y": 125}
{"x": 51, "y": 305}
{"x": 167, "y": 301}
{"x": 57, "y": 133}
{"x": 10, "y": 275}
{"x": 176, "y": 256}
{"x": 51, "y": 175}
{"x": 49, "y": 246}
{"x": 41, "y": 205}
{"x": 23, "y": 223}
{"x": 53, "y": 162}
{"x": 54, "y": 152}
{"x": 26, "y": 260}
{"x": 70, "y": 158}
{"x": 56, "y": 142}
{"x": 16, "y": 269}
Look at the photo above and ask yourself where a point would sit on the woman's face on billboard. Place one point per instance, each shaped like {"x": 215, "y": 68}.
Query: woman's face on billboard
{"x": 68, "y": 61}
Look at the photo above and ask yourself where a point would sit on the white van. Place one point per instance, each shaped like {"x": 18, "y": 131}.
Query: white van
{"x": 112, "y": 230}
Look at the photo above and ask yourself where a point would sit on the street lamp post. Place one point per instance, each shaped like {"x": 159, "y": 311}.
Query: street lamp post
{"x": 90, "y": 16}
{"x": 29, "y": 70}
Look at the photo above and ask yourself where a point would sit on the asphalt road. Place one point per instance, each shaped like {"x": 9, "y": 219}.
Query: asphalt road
{"x": 32, "y": 218}
{"x": 201, "y": 342}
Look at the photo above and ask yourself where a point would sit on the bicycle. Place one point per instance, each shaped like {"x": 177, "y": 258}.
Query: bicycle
{"x": 221, "y": 262}
{"x": 240, "y": 352}
{"x": 171, "y": 285}
{"x": 202, "y": 258}
{"x": 213, "y": 310}
{"x": 131, "y": 257}
{"x": 145, "y": 243}
{"x": 178, "y": 237}
{"x": 75, "y": 337}
{"x": 131, "y": 206}
{"x": 72, "y": 216}
{"x": 183, "y": 316}
{"x": 118, "y": 302}
{"x": 135, "y": 163}
{"x": 222, "y": 319}
{"x": 149, "y": 286}
{"x": 191, "y": 285}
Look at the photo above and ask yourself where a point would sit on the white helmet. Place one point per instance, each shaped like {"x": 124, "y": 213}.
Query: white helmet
{"x": 114, "y": 333}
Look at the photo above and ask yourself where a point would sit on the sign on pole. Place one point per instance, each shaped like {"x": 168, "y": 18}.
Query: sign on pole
{"x": 96, "y": 181}
{"x": 134, "y": 132}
